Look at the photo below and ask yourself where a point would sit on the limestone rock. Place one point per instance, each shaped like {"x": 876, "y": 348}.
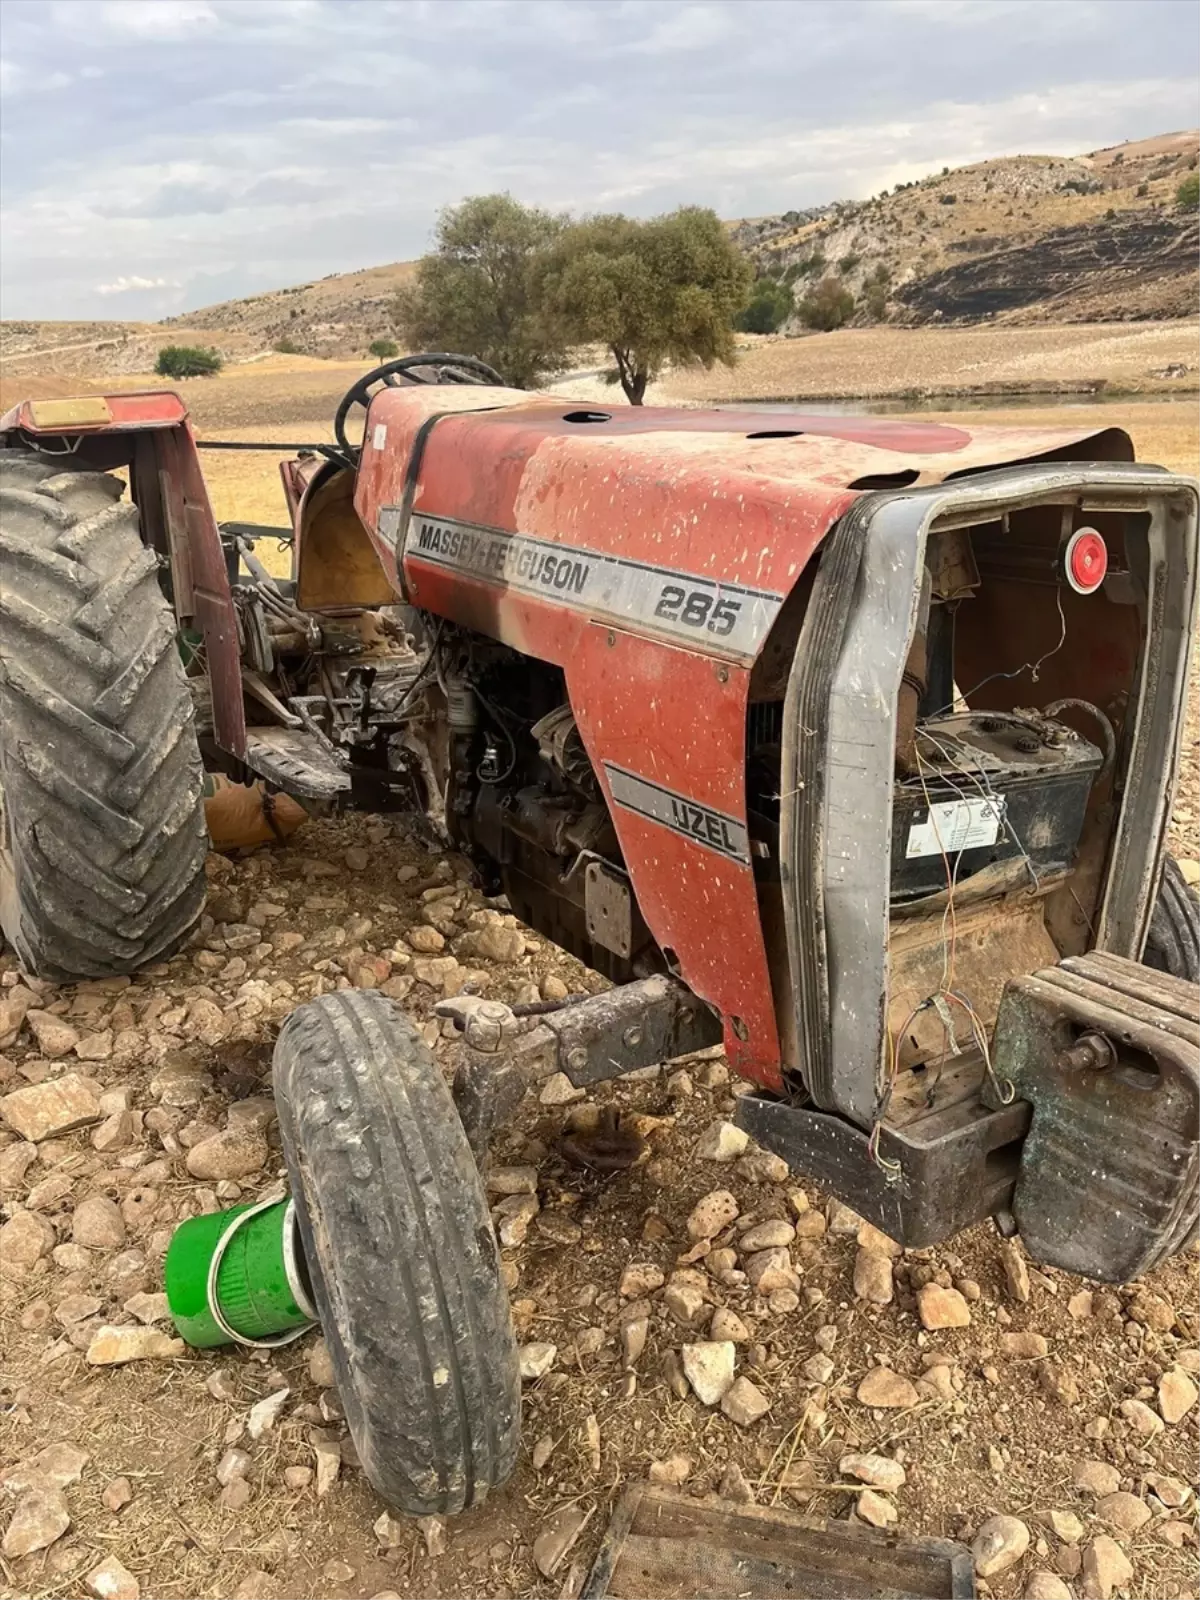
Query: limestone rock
{"x": 1105, "y": 1567}
{"x": 53, "y": 1467}
{"x": 1043, "y": 1585}
{"x": 712, "y": 1214}
{"x": 999, "y": 1544}
{"x": 112, "y": 1581}
{"x": 556, "y": 1538}
{"x": 1177, "y": 1395}
{"x": 886, "y": 1389}
{"x": 875, "y": 1510}
{"x": 877, "y": 1472}
{"x": 743, "y": 1402}
{"x": 236, "y": 1152}
{"x": 1125, "y": 1512}
{"x": 98, "y": 1224}
{"x": 721, "y": 1142}
{"x": 320, "y": 1365}
{"x": 46, "y": 1110}
{"x": 113, "y": 1346}
{"x": 24, "y": 1239}
{"x": 117, "y": 1494}
{"x": 708, "y": 1367}
{"x": 512, "y": 1180}
{"x": 558, "y": 1090}
{"x": 1141, "y": 1419}
{"x": 1097, "y": 1478}
{"x": 773, "y": 1235}
{"x": 536, "y": 1360}
{"x": 1025, "y": 1346}
{"x": 1016, "y": 1273}
{"x": 41, "y": 1516}
{"x": 727, "y": 1324}
{"x": 674, "y": 1470}
{"x": 873, "y": 1277}
{"x": 1066, "y": 1526}
{"x": 942, "y": 1308}
{"x": 768, "y": 1270}
{"x": 54, "y": 1036}
{"x": 640, "y": 1278}
{"x": 494, "y": 942}
{"x": 734, "y": 1487}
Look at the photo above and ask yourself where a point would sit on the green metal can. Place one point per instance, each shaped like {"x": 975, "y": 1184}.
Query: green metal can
{"x": 239, "y": 1277}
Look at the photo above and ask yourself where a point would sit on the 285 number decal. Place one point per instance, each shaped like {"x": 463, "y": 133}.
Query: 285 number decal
{"x": 697, "y": 608}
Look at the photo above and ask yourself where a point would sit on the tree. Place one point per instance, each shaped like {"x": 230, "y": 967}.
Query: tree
{"x": 828, "y": 306}
{"x": 187, "y": 361}
{"x": 478, "y": 292}
{"x": 383, "y": 349}
{"x": 652, "y": 292}
{"x": 1187, "y": 196}
{"x": 769, "y": 308}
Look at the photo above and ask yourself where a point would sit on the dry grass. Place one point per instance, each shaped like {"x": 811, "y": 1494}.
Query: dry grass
{"x": 904, "y": 362}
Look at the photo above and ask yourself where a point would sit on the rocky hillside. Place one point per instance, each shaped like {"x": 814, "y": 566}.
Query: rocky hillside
{"x": 337, "y": 316}
{"x": 1098, "y": 237}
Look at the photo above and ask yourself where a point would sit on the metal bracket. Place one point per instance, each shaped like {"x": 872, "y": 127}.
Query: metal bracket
{"x": 636, "y": 1025}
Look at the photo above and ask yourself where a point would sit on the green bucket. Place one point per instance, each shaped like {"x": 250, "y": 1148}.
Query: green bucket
{"x": 239, "y": 1277}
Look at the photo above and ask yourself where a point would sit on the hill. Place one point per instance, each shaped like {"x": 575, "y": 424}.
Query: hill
{"x": 336, "y": 316}
{"x": 1096, "y": 238}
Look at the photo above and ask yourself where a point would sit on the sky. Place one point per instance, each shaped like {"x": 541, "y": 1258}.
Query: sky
{"x": 161, "y": 155}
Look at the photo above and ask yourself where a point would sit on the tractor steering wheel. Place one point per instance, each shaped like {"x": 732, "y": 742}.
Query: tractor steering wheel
{"x": 440, "y": 366}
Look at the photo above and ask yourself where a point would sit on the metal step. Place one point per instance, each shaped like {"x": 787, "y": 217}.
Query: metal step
{"x": 296, "y": 762}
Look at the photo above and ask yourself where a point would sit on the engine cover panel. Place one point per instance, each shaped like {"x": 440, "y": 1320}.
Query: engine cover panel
{"x": 1109, "y": 1170}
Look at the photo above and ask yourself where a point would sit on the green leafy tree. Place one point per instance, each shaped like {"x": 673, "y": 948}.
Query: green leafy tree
{"x": 383, "y": 349}
{"x": 829, "y": 305}
{"x": 652, "y": 292}
{"x": 1187, "y": 196}
{"x": 187, "y": 361}
{"x": 769, "y": 308}
{"x": 479, "y": 291}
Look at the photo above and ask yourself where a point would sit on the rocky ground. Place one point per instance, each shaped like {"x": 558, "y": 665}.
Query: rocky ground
{"x": 705, "y": 1319}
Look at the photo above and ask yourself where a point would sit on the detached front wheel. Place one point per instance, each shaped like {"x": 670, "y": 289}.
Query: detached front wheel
{"x": 400, "y": 1249}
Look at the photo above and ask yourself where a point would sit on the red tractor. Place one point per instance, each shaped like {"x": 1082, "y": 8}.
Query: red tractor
{"x": 848, "y": 744}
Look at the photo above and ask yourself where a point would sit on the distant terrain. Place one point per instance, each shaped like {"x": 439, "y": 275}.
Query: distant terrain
{"x": 1094, "y": 238}
{"x": 1023, "y": 240}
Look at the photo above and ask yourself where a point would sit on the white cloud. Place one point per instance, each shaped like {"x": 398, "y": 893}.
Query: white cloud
{"x": 154, "y": 19}
{"x": 132, "y": 285}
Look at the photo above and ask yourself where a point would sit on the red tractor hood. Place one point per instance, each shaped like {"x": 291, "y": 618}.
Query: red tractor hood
{"x": 740, "y": 497}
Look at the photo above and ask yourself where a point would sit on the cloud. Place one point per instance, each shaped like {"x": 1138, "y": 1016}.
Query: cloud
{"x": 153, "y": 19}
{"x": 132, "y": 285}
{"x": 275, "y": 141}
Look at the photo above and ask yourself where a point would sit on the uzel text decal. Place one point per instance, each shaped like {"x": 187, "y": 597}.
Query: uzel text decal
{"x": 715, "y": 830}
{"x": 723, "y": 617}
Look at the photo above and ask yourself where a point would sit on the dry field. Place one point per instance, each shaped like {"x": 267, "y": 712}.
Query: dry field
{"x": 169, "y": 1482}
{"x": 914, "y": 362}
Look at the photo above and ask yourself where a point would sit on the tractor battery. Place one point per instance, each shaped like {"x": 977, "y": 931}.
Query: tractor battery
{"x": 988, "y": 788}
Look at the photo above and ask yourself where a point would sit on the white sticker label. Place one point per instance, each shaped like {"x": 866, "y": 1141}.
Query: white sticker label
{"x": 955, "y": 825}
{"x": 379, "y": 436}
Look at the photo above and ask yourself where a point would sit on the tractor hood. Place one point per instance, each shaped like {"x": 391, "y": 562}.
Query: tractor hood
{"x": 468, "y": 491}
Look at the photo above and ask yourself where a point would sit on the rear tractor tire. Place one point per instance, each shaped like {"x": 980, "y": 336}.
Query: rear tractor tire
{"x": 1173, "y": 942}
{"x": 400, "y": 1253}
{"x": 102, "y": 835}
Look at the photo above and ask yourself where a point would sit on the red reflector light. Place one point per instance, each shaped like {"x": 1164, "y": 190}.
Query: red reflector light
{"x": 1085, "y": 560}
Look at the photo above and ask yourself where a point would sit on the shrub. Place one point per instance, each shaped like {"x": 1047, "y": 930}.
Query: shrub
{"x": 769, "y": 308}
{"x": 187, "y": 361}
{"x": 383, "y": 349}
{"x": 1187, "y": 196}
{"x": 848, "y": 263}
{"x": 286, "y": 346}
{"x": 947, "y": 199}
{"x": 828, "y": 306}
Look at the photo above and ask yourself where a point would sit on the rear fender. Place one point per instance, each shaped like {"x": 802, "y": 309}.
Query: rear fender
{"x": 149, "y": 435}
